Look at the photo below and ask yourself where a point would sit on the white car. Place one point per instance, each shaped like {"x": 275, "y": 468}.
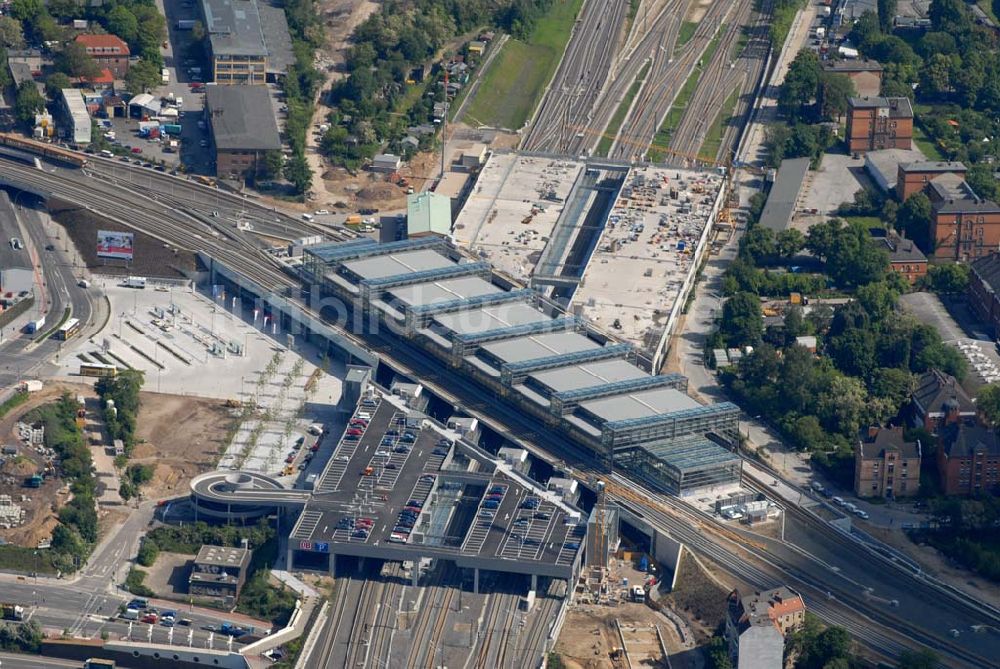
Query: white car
{"x": 322, "y": 212}
{"x": 839, "y": 501}
{"x": 863, "y": 515}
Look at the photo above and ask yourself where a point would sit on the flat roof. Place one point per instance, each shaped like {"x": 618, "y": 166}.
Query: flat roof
{"x": 533, "y": 347}
{"x": 381, "y": 472}
{"x": 222, "y": 556}
{"x": 490, "y": 318}
{"x": 648, "y": 245}
{"x": 234, "y": 27}
{"x": 639, "y": 405}
{"x": 693, "y": 453}
{"x": 242, "y": 118}
{"x": 780, "y": 206}
{"x": 443, "y": 291}
{"x": 277, "y": 39}
{"x": 393, "y": 264}
{"x": 588, "y": 375}
{"x": 513, "y": 208}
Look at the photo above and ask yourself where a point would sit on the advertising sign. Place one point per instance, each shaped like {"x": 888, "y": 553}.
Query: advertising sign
{"x": 114, "y": 244}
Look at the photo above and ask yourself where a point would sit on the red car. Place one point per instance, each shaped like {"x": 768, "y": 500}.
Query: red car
{"x": 355, "y": 432}
{"x": 136, "y": 149}
{"x": 150, "y": 618}
{"x": 290, "y": 459}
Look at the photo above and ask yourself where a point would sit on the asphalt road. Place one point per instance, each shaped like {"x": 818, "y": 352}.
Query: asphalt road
{"x": 18, "y": 661}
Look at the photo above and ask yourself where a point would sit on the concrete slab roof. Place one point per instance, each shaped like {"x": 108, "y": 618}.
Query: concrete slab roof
{"x": 397, "y": 263}
{"x": 588, "y": 375}
{"x": 443, "y": 291}
{"x": 490, "y": 318}
{"x": 539, "y": 346}
{"x": 639, "y": 405}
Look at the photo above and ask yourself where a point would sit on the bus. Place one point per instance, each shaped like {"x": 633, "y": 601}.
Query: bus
{"x": 98, "y": 369}
{"x": 68, "y": 329}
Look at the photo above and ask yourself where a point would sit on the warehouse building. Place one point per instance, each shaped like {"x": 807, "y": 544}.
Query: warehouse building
{"x": 548, "y": 363}
{"x": 218, "y": 571}
{"x": 242, "y": 126}
{"x": 75, "y": 116}
{"x": 780, "y": 206}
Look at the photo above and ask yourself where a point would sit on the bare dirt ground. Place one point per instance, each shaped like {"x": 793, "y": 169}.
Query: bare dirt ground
{"x": 340, "y": 18}
{"x": 182, "y": 436}
{"x": 168, "y": 575}
{"x": 700, "y": 597}
{"x": 697, "y": 9}
{"x": 41, "y": 504}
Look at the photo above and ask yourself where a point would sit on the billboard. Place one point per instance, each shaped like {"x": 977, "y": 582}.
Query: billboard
{"x": 114, "y": 244}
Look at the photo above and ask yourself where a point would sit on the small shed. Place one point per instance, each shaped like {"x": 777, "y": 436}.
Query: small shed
{"x": 386, "y": 162}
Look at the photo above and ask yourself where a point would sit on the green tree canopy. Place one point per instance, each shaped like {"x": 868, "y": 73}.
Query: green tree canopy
{"x": 28, "y": 103}
{"x": 742, "y": 320}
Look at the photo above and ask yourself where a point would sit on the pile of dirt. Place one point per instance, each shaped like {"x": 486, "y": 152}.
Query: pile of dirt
{"x": 151, "y": 256}
{"x": 379, "y": 192}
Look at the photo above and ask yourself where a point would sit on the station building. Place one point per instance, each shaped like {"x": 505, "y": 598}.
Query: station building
{"x": 538, "y": 358}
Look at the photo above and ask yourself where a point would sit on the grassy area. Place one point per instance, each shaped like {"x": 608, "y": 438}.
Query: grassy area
{"x": 604, "y": 146}
{"x": 515, "y": 80}
{"x": 676, "y": 113}
{"x": 713, "y": 138}
{"x": 14, "y": 401}
{"x": 685, "y": 34}
{"x": 868, "y": 221}
{"x": 987, "y": 7}
{"x": 925, "y": 143}
{"x": 22, "y": 559}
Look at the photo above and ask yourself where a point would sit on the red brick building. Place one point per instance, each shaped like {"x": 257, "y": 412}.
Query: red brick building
{"x": 940, "y": 400}
{"x": 915, "y": 177}
{"x": 964, "y": 226}
{"x": 875, "y": 123}
{"x": 984, "y": 290}
{"x": 110, "y": 52}
{"x": 969, "y": 461}
{"x": 904, "y": 256}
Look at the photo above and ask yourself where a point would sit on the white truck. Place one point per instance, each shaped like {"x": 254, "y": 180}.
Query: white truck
{"x": 135, "y": 282}
{"x": 165, "y": 76}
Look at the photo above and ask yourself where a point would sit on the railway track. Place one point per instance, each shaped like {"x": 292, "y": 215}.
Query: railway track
{"x": 663, "y": 83}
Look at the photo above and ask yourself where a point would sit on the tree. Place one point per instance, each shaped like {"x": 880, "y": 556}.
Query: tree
{"x": 799, "y": 88}
{"x": 122, "y": 22}
{"x": 918, "y": 659}
{"x": 297, "y": 171}
{"x": 126, "y": 491}
{"x": 142, "y": 76}
{"x": 950, "y": 279}
{"x": 988, "y": 402}
{"x": 11, "y": 33}
{"x": 55, "y": 83}
{"x": 950, "y": 16}
{"x": 26, "y": 10}
{"x": 935, "y": 76}
{"x": 742, "y": 319}
{"x": 980, "y": 178}
{"x": 28, "y": 103}
{"x": 832, "y": 95}
{"x": 795, "y": 322}
{"x": 886, "y": 13}
{"x": 76, "y": 62}
{"x": 914, "y": 219}
{"x": 788, "y": 243}
{"x": 271, "y": 166}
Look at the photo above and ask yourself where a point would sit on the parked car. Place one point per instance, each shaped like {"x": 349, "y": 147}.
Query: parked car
{"x": 136, "y": 149}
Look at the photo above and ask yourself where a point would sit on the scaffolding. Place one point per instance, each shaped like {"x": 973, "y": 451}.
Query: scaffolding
{"x": 721, "y": 419}
{"x": 680, "y": 466}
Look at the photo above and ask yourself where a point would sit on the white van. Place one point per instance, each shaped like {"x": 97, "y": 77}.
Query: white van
{"x": 307, "y": 217}
{"x": 839, "y": 501}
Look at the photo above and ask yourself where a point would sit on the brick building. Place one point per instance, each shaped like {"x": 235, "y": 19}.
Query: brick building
{"x": 875, "y": 123}
{"x": 886, "y": 465}
{"x": 756, "y": 626}
{"x": 968, "y": 460}
{"x": 110, "y": 52}
{"x": 866, "y": 75}
{"x": 242, "y": 126}
{"x": 904, "y": 256}
{"x": 915, "y": 177}
{"x": 984, "y": 290}
{"x": 964, "y": 226}
{"x": 940, "y": 400}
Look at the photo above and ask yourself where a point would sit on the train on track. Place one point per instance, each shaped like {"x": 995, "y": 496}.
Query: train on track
{"x": 50, "y": 151}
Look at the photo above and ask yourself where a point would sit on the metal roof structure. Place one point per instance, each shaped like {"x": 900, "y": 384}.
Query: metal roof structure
{"x": 242, "y": 118}
{"x": 777, "y": 213}
{"x": 234, "y": 28}
{"x": 518, "y": 344}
